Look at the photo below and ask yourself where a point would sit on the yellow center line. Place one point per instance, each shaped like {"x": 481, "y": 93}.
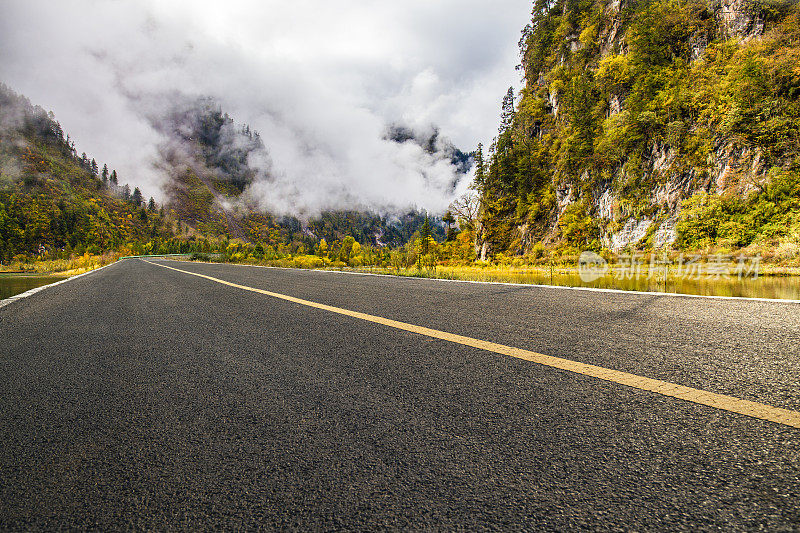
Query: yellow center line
{"x": 701, "y": 397}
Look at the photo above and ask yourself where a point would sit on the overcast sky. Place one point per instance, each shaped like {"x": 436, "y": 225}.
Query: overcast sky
{"x": 320, "y": 80}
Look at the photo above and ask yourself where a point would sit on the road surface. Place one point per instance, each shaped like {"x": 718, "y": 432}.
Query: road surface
{"x": 144, "y": 397}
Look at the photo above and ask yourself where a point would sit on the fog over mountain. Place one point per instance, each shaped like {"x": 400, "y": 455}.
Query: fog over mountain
{"x": 322, "y": 83}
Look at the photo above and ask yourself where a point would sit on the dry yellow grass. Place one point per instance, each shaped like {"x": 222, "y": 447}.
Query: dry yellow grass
{"x": 68, "y": 267}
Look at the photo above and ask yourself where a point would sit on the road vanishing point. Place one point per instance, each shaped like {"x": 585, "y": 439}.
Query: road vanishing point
{"x": 157, "y": 394}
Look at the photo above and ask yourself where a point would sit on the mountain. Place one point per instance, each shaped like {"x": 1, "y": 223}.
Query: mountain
{"x": 53, "y": 202}
{"x": 211, "y": 162}
{"x": 206, "y": 158}
{"x": 647, "y": 124}
{"x": 433, "y": 143}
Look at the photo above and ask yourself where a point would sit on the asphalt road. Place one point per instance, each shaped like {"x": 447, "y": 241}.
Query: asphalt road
{"x": 138, "y": 397}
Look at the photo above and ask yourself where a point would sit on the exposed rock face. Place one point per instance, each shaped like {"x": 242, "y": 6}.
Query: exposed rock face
{"x": 612, "y": 37}
{"x": 553, "y": 101}
{"x": 665, "y": 234}
{"x": 615, "y": 104}
{"x": 605, "y": 204}
{"x": 739, "y": 19}
{"x": 669, "y": 195}
{"x": 698, "y": 44}
{"x": 632, "y": 232}
{"x": 735, "y": 169}
{"x": 564, "y": 196}
{"x": 727, "y": 164}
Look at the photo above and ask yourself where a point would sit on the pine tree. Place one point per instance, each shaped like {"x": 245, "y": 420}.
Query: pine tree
{"x": 137, "y": 198}
{"x": 126, "y": 193}
{"x": 105, "y": 174}
{"x": 425, "y": 236}
{"x": 508, "y": 111}
{"x": 151, "y": 205}
{"x": 93, "y": 167}
{"x": 480, "y": 168}
{"x": 114, "y": 180}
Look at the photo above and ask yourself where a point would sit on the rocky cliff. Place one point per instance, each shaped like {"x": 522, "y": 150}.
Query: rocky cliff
{"x": 637, "y": 116}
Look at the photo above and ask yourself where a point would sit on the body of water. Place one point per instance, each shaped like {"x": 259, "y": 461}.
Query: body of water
{"x": 11, "y": 284}
{"x": 780, "y": 287}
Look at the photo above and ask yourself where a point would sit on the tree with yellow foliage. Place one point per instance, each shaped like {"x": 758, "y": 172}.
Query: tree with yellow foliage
{"x": 322, "y": 248}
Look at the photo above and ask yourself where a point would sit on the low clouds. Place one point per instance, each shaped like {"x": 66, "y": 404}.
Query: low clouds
{"x": 320, "y": 81}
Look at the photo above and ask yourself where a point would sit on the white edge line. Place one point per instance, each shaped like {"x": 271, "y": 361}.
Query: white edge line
{"x": 11, "y": 299}
{"x": 562, "y": 287}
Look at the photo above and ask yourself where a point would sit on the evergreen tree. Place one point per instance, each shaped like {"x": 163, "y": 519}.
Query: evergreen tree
{"x": 113, "y": 178}
{"x": 151, "y": 205}
{"x": 480, "y": 168}
{"x": 508, "y": 111}
{"x": 126, "y": 193}
{"x": 105, "y": 174}
{"x": 346, "y": 248}
{"x": 425, "y": 236}
{"x": 137, "y": 198}
{"x": 93, "y": 167}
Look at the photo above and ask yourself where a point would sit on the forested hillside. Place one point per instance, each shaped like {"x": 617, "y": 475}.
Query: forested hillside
{"x": 53, "y": 202}
{"x": 645, "y": 124}
{"x": 211, "y": 161}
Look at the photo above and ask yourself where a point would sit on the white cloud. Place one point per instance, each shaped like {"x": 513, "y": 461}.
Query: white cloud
{"x": 320, "y": 81}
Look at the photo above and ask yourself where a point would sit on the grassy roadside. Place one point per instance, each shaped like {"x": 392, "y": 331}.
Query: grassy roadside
{"x": 775, "y": 285}
{"x": 481, "y": 270}
{"x": 477, "y": 271}
{"x": 774, "y": 281}
{"x": 522, "y": 274}
{"x": 62, "y": 267}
